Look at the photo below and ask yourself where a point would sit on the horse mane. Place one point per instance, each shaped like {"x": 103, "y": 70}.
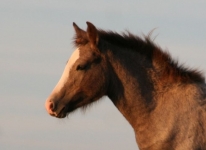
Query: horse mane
{"x": 146, "y": 47}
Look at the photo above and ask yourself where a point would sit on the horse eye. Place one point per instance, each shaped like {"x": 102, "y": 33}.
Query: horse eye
{"x": 81, "y": 67}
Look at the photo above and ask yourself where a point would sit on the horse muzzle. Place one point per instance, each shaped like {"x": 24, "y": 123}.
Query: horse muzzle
{"x": 54, "y": 109}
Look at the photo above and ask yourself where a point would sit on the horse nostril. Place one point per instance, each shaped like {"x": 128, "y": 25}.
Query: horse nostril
{"x": 50, "y": 106}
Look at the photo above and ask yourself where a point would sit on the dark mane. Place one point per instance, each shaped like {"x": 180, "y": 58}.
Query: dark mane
{"x": 127, "y": 40}
{"x": 146, "y": 47}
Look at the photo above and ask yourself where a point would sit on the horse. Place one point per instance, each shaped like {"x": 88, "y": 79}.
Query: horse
{"x": 163, "y": 101}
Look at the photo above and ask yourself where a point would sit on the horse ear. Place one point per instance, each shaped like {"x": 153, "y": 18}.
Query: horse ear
{"x": 92, "y": 34}
{"x": 81, "y": 36}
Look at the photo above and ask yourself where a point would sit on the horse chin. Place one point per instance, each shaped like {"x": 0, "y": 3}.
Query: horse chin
{"x": 71, "y": 107}
{"x": 62, "y": 113}
{"x": 65, "y": 111}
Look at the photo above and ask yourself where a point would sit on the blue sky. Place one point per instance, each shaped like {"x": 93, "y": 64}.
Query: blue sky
{"x": 35, "y": 43}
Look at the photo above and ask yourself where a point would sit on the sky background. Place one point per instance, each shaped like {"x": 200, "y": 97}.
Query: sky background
{"x": 35, "y": 43}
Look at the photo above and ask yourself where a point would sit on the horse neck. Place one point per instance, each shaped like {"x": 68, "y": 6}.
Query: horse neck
{"x": 130, "y": 87}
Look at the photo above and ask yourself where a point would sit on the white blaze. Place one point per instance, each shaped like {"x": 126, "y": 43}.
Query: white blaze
{"x": 65, "y": 75}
